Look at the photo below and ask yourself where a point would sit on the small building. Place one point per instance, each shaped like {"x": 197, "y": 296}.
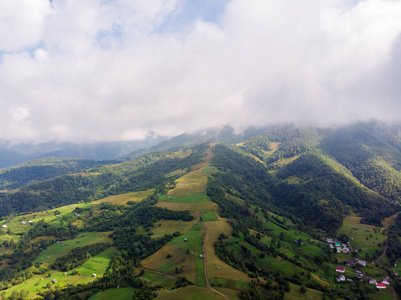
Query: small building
{"x": 386, "y": 281}
{"x": 351, "y": 262}
{"x": 349, "y": 280}
{"x": 23, "y": 223}
{"x": 373, "y": 281}
{"x": 362, "y": 262}
{"x": 185, "y": 240}
{"x": 331, "y": 246}
{"x": 341, "y": 278}
{"x": 4, "y": 226}
{"x": 93, "y": 275}
{"x": 30, "y": 222}
{"x": 340, "y": 270}
{"x": 54, "y": 280}
{"x": 330, "y": 241}
{"x": 58, "y": 216}
{"x": 201, "y": 256}
{"x": 337, "y": 244}
{"x": 380, "y": 285}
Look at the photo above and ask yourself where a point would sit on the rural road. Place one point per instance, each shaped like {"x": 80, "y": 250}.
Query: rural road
{"x": 205, "y": 259}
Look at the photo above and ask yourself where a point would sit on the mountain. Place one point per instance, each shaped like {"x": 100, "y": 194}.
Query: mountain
{"x": 13, "y": 154}
{"x": 217, "y": 214}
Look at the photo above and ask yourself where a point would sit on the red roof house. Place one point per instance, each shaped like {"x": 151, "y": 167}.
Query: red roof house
{"x": 340, "y": 269}
{"x": 380, "y": 285}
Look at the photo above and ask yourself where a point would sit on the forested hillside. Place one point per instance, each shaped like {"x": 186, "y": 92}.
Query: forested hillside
{"x": 274, "y": 216}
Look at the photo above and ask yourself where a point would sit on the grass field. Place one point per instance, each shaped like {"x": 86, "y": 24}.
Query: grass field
{"x": 163, "y": 227}
{"x": 124, "y": 198}
{"x": 362, "y": 236}
{"x": 195, "y": 206}
{"x": 55, "y": 251}
{"x": 295, "y": 293}
{"x": 208, "y": 215}
{"x": 189, "y": 293}
{"x": 96, "y": 264}
{"x": 115, "y": 294}
{"x": 214, "y": 229}
{"x": 192, "y": 197}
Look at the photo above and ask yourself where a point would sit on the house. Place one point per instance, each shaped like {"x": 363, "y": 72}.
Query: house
{"x": 54, "y": 280}
{"x": 340, "y": 270}
{"x": 4, "y": 226}
{"x": 350, "y": 262}
{"x": 341, "y": 278}
{"x": 58, "y": 216}
{"x": 30, "y": 222}
{"x": 386, "y": 281}
{"x": 380, "y": 285}
{"x": 349, "y": 280}
{"x": 373, "y": 281}
{"x": 338, "y": 249}
{"x": 337, "y": 244}
{"x": 23, "y": 223}
{"x": 330, "y": 241}
{"x": 201, "y": 256}
{"x": 331, "y": 246}
{"x": 93, "y": 275}
{"x": 185, "y": 240}
{"x": 362, "y": 262}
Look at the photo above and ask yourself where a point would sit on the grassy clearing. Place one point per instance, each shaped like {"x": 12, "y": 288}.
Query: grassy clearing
{"x": 208, "y": 215}
{"x": 295, "y": 293}
{"x": 194, "y": 240}
{"x": 163, "y": 227}
{"x": 96, "y": 264}
{"x": 115, "y": 294}
{"x": 191, "y": 198}
{"x": 190, "y": 293}
{"x": 195, "y": 206}
{"x": 214, "y": 229}
{"x": 55, "y": 251}
{"x": 362, "y": 236}
{"x": 124, "y": 198}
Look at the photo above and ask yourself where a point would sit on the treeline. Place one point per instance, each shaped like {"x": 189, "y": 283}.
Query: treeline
{"x": 78, "y": 256}
{"x": 142, "y": 213}
{"x": 27, "y": 251}
{"x": 320, "y": 200}
{"x": 19, "y": 176}
{"x": 148, "y": 173}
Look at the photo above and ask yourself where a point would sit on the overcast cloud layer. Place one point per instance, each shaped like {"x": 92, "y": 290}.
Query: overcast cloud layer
{"x": 90, "y": 70}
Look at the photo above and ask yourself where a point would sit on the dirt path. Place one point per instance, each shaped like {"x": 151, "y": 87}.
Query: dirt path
{"x": 205, "y": 259}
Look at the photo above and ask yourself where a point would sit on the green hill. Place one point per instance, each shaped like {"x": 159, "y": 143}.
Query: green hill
{"x": 250, "y": 220}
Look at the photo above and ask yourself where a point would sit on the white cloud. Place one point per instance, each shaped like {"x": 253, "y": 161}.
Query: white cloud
{"x": 106, "y": 71}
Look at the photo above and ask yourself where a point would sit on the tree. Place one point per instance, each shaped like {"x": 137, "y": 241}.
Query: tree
{"x": 303, "y": 289}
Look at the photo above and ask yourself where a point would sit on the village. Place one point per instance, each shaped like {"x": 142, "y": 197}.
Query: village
{"x": 356, "y": 264}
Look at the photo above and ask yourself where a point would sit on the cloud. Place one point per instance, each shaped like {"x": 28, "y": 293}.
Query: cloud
{"x": 114, "y": 70}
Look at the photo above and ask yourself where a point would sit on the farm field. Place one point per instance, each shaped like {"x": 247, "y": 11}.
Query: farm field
{"x": 192, "y": 197}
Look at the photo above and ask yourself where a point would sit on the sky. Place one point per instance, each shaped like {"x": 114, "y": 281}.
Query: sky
{"x": 106, "y": 70}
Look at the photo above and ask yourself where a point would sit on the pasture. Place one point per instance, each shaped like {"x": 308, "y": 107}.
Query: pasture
{"x": 96, "y": 264}
{"x": 361, "y": 236}
{"x": 55, "y": 251}
{"x": 190, "y": 198}
{"x": 208, "y": 215}
{"x": 190, "y": 293}
{"x": 115, "y": 294}
{"x": 124, "y": 198}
